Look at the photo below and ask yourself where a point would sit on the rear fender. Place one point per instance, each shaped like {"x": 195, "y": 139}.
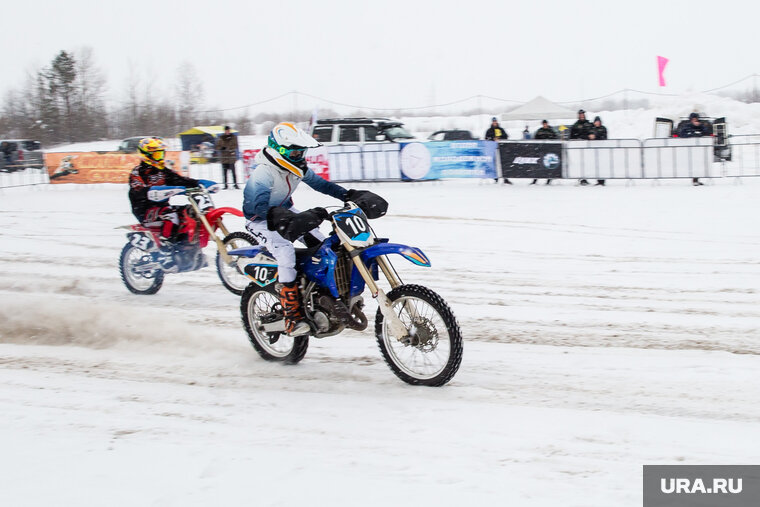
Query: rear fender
{"x": 410, "y": 253}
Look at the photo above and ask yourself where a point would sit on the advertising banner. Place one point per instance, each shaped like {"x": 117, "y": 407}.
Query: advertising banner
{"x": 317, "y": 159}
{"x": 531, "y": 159}
{"x": 248, "y": 157}
{"x": 98, "y": 167}
{"x": 448, "y": 159}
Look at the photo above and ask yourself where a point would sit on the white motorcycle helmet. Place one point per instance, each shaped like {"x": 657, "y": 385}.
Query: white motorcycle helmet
{"x": 288, "y": 144}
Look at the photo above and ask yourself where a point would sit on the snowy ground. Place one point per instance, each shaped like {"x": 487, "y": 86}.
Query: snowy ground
{"x": 605, "y": 328}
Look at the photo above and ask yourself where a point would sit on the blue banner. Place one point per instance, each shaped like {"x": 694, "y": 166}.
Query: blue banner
{"x": 448, "y": 159}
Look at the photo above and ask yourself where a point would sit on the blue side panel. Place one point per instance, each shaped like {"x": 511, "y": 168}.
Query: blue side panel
{"x": 320, "y": 267}
{"x": 248, "y": 251}
{"x": 410, "y": 253}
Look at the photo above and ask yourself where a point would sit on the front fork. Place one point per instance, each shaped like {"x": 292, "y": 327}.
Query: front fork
{"x": 212, "y": 234}
{"x": 397, "y": 328}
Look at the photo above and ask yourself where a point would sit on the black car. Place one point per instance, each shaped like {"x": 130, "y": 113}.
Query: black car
{"x": 452, "y": 135}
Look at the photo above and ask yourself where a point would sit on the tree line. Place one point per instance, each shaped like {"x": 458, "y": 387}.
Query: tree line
{"x": 65, "y": 102}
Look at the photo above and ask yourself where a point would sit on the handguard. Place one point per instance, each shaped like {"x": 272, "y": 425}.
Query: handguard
{"x": 370, "y": 203}
{"x": 212, "y": 186}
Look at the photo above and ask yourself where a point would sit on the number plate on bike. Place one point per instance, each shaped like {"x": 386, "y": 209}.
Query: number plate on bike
{"x": 140, "y": 240}
{"x": 262, "y": 274}
{"x": 353, "y": 227}
{"x": 203, "y": 201}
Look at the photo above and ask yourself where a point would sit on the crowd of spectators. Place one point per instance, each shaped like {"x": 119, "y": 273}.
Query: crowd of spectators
{"x": 583, "y": 129}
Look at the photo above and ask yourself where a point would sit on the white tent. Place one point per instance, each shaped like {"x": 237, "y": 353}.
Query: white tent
{"x": 539, "y": 109}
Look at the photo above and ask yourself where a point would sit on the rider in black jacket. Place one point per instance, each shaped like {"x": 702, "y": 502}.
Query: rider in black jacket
{"x": 152, "y": 172}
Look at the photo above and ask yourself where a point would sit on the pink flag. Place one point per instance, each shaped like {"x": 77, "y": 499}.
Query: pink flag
{"x": 661, "y": 63}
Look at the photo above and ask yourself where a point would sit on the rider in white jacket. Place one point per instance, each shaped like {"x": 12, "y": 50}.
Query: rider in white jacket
{"x": 272, "y": 219}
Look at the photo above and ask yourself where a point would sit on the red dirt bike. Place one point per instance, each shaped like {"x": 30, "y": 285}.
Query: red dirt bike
{"x": 147, "y": 256}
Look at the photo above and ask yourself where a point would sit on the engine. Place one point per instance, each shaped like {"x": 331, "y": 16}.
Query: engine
{"x": 331, "y": 315}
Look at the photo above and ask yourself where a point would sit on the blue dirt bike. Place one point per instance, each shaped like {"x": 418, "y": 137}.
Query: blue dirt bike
{"x": 416, "y": 330}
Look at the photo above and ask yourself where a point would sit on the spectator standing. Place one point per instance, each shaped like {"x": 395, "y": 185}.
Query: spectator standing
{"x": 227, "y": 146}
{"x": 598, "y": 132}
{"x": 581, "y": 130}
{"x": 695, "y": 128}
{"x": 7, "y": 154}
{"x": 496, "y": 133}
{"x": 545, "y": 132}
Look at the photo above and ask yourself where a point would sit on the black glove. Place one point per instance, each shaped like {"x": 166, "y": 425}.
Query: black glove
{"x": 292, "y": 226}
{"x": 371, "y": 204}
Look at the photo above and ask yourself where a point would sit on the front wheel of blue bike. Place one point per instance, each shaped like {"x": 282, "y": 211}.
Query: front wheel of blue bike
{"x": 431, "y": 352}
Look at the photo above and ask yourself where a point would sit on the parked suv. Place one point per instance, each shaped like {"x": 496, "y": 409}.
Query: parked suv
{"x": 20, "y": 154}
{"x": 360, "y": 130}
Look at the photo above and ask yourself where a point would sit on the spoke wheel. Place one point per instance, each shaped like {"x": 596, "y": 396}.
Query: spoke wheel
{"x": 259, "y": 307}
{"x": 431, "y": 353}
{"x": 138, "y": 283}
{"x": 232, "y": 275}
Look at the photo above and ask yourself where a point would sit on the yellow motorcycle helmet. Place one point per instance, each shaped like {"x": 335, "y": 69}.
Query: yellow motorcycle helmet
{"x": 152, "y": 151}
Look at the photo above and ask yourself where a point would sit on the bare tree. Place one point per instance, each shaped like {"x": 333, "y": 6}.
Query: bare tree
{"x": 90, "y": 84}
{"x": 188, "y": 95}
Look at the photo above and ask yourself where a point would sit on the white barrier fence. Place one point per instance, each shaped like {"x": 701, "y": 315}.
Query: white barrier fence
{"x": 369, "y": 162}
{"x": 24, "y": 178}
{"x": 648, "y": 159}
{"x": 745, "y": 156}
{"x": 607, "y": 159}
{"x": 679, "y": 158}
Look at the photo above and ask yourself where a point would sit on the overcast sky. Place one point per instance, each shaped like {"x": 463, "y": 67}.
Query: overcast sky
{"x": 392, "y": 54}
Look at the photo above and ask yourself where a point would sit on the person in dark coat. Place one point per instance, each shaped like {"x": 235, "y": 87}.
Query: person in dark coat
{"x": 496, "y": 133}
{"x": 545, "y": 132}
{"x": 581, "y": 130}
{"x": 227, "y": 146}
{"x": 695, "y": 128}
{"x": 598, "y": 132}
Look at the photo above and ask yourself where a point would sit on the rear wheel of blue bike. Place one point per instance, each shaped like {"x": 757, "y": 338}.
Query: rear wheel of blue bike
{"x": 431, "y": 352}
{"x": 260, "y": 309}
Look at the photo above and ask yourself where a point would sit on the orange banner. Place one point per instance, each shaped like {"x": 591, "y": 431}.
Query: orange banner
{"x": 97, "y": 167}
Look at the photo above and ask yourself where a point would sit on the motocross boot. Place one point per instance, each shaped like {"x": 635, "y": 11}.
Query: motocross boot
{"x": 292, "y": 309}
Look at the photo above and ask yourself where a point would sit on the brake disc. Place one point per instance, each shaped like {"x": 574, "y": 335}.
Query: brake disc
{"x": 425, "y": 336}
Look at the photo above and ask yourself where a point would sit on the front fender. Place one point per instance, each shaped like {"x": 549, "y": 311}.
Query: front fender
{"x": 410, "y": 253}
{"x": 216, "y": 213}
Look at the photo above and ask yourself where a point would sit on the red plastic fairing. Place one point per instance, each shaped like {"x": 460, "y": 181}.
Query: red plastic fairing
{"x": 213, "y": 215}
